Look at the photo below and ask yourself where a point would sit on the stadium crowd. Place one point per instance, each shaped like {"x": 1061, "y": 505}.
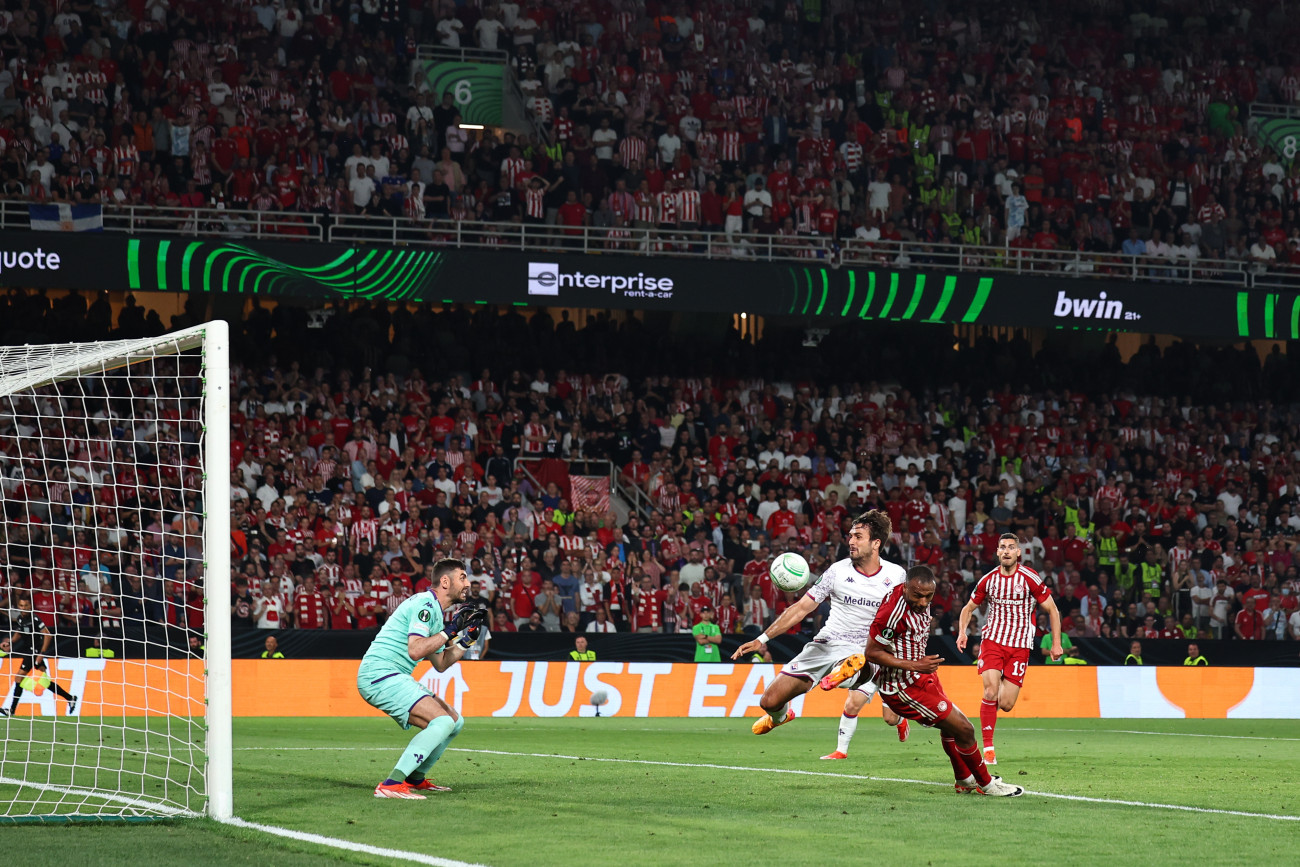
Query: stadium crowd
{"x": 1149, "y": 516}
{"x": 1099, "y": 127}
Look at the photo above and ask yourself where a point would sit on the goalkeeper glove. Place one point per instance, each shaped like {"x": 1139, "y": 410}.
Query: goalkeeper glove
{"x": 462, "y": 618}
{"x": 470, "y": 635}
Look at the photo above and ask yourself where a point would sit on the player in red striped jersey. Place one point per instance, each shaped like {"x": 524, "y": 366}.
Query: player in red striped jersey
{"x": 1011, "y": 591}
{"x": 911, "y": 689}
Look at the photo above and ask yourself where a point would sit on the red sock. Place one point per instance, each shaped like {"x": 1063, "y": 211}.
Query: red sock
{"x": 988, "y": 720}
{"x": 958, "y": 763}
{"x": 975, "y": 764}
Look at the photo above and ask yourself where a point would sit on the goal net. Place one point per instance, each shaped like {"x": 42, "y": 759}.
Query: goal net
{"x": 114, "y": 578}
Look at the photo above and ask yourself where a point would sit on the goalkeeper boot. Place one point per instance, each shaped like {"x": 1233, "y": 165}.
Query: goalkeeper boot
{"x": 845, "y": 670}
{"x": 427, "y": 786}
{"x": 401, "y": 791}
{"x": 764, "y": 724}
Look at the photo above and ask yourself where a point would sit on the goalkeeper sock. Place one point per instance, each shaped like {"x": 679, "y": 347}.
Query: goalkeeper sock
{"x": 427, "y": 764}
{"x": 988, "y": 720}
{"x": 848, "y": 725}
{"x": 422, "y": 746}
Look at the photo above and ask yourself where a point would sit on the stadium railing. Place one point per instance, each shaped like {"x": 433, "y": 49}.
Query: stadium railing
{"x": 622, "y": 241}
{"x": 191, "y": 222}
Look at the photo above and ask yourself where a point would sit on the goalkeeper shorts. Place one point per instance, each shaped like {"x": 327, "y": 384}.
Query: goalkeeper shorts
{"x": 393, "y": 692}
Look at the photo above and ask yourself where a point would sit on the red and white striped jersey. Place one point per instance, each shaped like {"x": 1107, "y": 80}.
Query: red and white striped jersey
{"x": 534, "y": 202}
{"x": 645, "y": 207}
{"x": 667, "y": 207}
{"x": 706, "y": 144}
{"x": 904, "y": 633}
{"x": 729, "y": 141}
{"x": 127, "y": 158}
{"x": 688, "y": 206}
{"x": 632, "y": 148}
{"x": 512, "y": 168}
{"x": 366, "y": 528}
{"x": 1011, "y": 599}
{"x": 1178, "y": 555}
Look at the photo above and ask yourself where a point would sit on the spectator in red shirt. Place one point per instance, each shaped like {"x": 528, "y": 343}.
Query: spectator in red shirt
{"x": 1249, "y": 624}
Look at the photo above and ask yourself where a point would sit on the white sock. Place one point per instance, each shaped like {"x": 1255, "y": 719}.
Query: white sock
{"x": 848, "y": 725}
{"x": 778, "y": 714}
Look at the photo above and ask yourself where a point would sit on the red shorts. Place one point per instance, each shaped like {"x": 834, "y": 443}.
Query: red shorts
{"x": 1011, "y": 661}
{"x": 923, "y": 701}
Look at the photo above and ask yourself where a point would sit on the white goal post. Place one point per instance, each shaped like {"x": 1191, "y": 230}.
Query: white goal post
{"x": 114, "y": 579}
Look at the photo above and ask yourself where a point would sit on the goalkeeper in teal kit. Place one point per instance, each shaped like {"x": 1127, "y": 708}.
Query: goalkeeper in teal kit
{"x": 415, "y": 631}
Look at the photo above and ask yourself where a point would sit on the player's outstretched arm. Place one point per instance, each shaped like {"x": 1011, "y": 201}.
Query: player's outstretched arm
{"x": 880, "y": 655}
{"x": 1054, "y": 621}
{"x": 788, "y": 618}
{"x": 963, "y": 624}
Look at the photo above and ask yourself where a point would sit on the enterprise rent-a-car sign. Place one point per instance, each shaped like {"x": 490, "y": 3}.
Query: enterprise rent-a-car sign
{"x": 547, "y": 278}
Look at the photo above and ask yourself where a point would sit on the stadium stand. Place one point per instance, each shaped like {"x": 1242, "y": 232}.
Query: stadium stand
{"x": 1071, "y": 129}
{"x": 350, "y": 465}
{"x": 827, "y": 129}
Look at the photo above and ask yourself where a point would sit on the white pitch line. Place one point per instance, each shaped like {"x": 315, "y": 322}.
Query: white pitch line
{"x": 336, "y": 843}
{"x": 1180, "y": 807}
{"x": 1159, "y": 734}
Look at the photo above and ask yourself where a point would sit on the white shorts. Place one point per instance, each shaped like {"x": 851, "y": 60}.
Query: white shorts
{"x": 820, "y": 658}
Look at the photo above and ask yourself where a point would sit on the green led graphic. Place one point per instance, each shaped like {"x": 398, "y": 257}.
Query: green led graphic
{"x": 1260, "y": 315}
{"x": 475, "y": 88}
{"x": 912, "y": 296}
{"x": 393, "y": 275}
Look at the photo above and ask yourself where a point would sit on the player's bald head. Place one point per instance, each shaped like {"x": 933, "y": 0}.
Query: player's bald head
{"x": 921, "y": 576}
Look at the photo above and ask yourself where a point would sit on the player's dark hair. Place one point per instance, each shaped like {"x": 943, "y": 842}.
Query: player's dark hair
{"x": 877, "y": 523}
{"x": 445, "y": 566}
{"x": 1012, "y": 536}
{"x": 921, "y": 574}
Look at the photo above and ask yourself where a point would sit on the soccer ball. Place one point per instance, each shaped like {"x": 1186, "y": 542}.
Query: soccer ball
{"x": 789, "y": 572}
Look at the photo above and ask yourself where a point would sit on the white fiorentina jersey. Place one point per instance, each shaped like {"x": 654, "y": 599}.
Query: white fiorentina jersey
{"x": 855, "y": 599}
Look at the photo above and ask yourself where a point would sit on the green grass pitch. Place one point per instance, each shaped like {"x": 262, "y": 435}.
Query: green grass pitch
{"x": 706, "y": 792}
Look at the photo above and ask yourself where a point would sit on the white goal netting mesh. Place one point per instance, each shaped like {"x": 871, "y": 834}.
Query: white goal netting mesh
{"x": 102, "y": 554}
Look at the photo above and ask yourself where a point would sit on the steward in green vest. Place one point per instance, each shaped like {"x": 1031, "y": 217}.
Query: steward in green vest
{"x": 971, "y": 234}
{"x": 580, "y": 653}
{"x": 1125, "y": 575}
{"x": 1074, "y": 515}
{"x": 1134, "y": 654}
{"x": 1152, "y": 574}
{"x": 272, "y": 649}
{"x": 1107, "y": 550}
{"x": 1194, "y": 656}
{"x": 925, "y": 163}
{"x": 927, "y": 194}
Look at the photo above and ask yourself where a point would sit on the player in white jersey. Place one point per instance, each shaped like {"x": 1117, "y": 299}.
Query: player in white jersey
{"x": 855, "y": 588}
{"x": 1007, "y": 639}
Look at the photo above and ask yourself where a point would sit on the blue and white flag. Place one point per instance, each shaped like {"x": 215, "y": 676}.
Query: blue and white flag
{"x": 67, "y": 218}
